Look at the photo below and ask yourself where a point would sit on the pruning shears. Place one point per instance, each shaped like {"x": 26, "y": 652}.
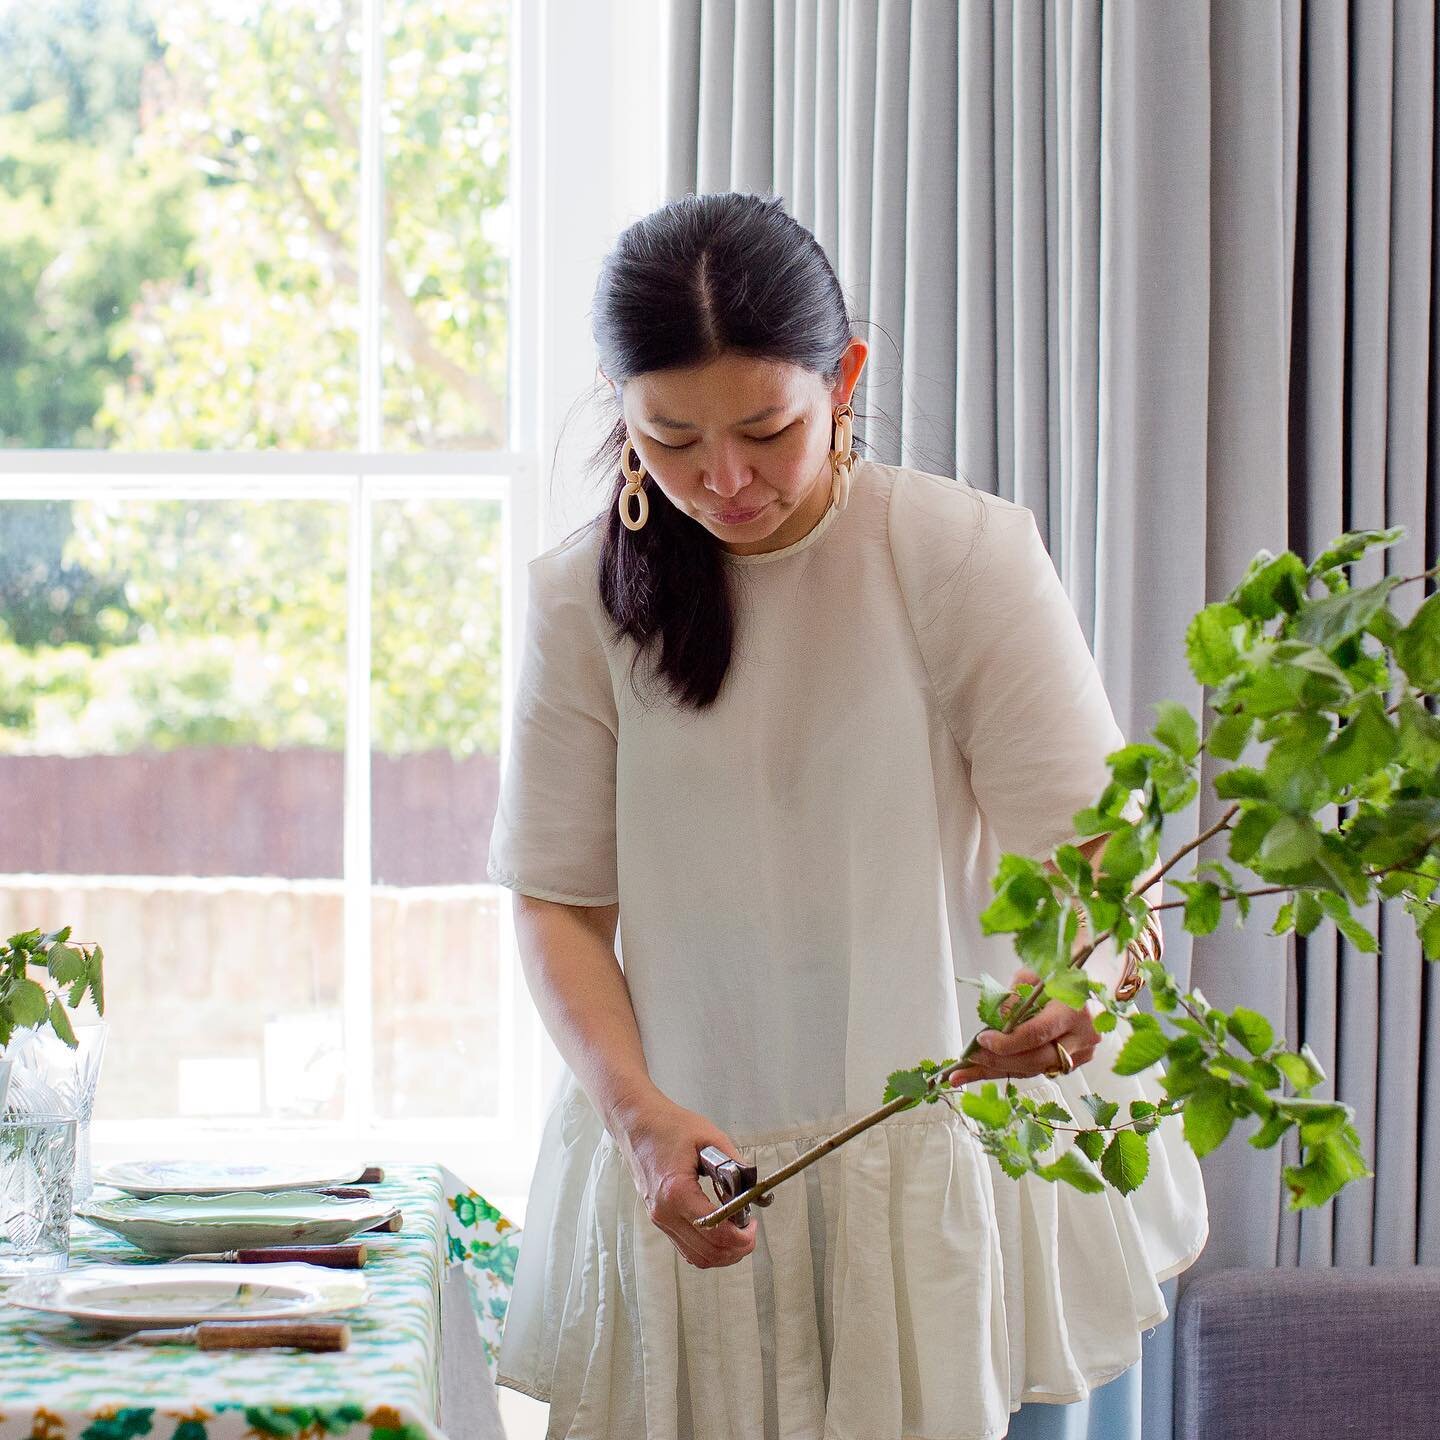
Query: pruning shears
{"x": 730, "y": 1179}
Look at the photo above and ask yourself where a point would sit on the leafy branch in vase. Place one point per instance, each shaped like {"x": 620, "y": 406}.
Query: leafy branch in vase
{"x": 72, "y": 966}
{"x": 1332, "y": 691}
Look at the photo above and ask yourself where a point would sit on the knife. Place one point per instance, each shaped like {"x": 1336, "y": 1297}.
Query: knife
{"x": 334, "y": 1257}
{"x": 316, "y": 1335}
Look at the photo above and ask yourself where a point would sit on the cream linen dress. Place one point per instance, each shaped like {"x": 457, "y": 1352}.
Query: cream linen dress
{"x": 800, "y": 870}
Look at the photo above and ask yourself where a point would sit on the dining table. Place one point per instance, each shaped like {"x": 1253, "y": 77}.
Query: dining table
{"x": 419, "y": 1365}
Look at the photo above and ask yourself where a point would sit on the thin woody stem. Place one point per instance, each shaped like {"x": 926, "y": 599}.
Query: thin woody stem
{"x": 1403, "y": 869}
{"x": 800, "y": 1162}
{"x": 1222, "y": 823}
{"x": 1016, "y": 1016}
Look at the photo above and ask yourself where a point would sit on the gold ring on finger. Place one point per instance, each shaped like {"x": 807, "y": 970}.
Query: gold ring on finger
{"x": 1067, "y": 1062}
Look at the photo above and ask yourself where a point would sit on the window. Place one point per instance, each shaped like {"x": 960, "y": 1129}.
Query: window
{"x": 272, "y": 404}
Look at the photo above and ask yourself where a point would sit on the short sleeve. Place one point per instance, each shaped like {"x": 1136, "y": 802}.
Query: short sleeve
{"x": 1006, "y": 656}
{"x": 554, "y": 832}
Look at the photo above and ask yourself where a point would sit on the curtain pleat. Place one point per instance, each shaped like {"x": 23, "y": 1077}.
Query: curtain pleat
{"x": 930, "y": 259}
{"x": 1166, "y": 275}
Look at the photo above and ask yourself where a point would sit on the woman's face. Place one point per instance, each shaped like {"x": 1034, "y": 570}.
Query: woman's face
{"x": 741, "y": 435}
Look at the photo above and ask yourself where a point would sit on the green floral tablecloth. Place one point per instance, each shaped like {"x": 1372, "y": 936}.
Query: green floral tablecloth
{"x": 481, "y": 1239}
{"x": 384, "y": 1387}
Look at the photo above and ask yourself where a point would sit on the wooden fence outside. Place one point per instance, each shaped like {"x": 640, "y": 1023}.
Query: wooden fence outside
{"x": 242, "y": 810}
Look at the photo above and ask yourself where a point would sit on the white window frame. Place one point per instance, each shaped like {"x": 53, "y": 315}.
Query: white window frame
{"x": 586, "y": 159}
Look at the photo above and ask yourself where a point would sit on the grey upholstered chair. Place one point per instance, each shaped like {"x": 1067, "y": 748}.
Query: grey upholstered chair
{"x": 1313, "y": 1353}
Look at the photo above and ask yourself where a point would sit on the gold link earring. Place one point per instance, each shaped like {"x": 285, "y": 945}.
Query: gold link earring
{"x": 842, "y": 456}
{"x": 635, "y": 474}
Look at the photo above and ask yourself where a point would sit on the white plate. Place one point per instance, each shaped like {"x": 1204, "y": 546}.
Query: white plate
{"x": 202, "y": 1224}
{"x": 120, "y": 1298}
{"x": 147, "y": 1178}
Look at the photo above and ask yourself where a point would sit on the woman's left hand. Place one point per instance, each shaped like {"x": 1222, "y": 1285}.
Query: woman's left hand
{"x": 1029, "y": 1049}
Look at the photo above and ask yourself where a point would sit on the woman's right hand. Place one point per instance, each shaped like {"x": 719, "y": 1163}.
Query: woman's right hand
{"x": 661, "y": 1142}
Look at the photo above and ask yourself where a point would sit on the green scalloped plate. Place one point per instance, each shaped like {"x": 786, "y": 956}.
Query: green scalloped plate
{"x": 200, "y": 1224}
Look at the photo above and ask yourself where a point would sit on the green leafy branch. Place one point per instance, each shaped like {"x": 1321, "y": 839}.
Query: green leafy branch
{"x": 72, "y": 966}
{"x": 1310, "y": 681}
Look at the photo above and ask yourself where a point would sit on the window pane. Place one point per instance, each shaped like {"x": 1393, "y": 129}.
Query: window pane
{"x": 446, "y": 141}
{"x": 180, "y": 192}
{"x": 172, "y": 677}
{"x": 435, "y": 706}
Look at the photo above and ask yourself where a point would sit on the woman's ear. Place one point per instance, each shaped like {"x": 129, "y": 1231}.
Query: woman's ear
{"x": 852, "y": 362}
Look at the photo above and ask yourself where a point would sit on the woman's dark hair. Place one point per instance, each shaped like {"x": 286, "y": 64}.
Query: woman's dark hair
{"x": 703, "y": 276}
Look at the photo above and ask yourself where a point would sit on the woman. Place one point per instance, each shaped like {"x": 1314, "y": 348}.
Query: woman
{"x": 780, "y": 711}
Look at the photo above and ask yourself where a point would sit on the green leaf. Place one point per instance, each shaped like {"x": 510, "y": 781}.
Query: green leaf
{"x": 1302, "y": 1070}
{"x": 1207, "y": 1116}
{"x": 1229, "y": 736}
{"x": 1308, "y": 913}
{"x": 1144, "y": 1047}
{"x": 1020, "y": 886}
{"x": 1126, "y": 1162}
{"x": 1251, "y": 1029}
{"x": 987, "y": 1106}
{"x": 1104, "y": 1021}
{"x": 1177, "y": 729}
{"x": 1328, "y": 1167}
{"x": 1051, "y": 1111}
{"x": 1336, "y": 908}
{"x": 1326, "y": 623}
{"x": 1123, "y": 856}
{"x": 1351, "y": 546}
{"x": 1072, "y": 863}
{"x": 28, "y": 1003}
{"x": 1419, "y": 735}
{"x": 1074, "y": 1170}
{"x": 910, "y": 1083}
{"x": 1092, "y": 1143}
{"x": 1070, "y": 985}
{"x": 1102, "y": 1109}
{"x": 97, "y": 978}
{"x": 65, "y": 964}
{"x": 1248, "y": 832}
{"x": 1033, "y": 1136}
{"x": 1272, "y": 583}
{"x": 1417, "y": 647}
{"x": 1131, "y": 764}
{"x": 1366, "y": 744}
{"x": 1210, "y": 642}
{"x": 1202, "y": 905}
{"x": 1272, "y": 1130}
{"x": 1318, "y": 1119}
{"x": 1290, "y": 843}
{"x": 1386, "y": 629}
{"x": 992, "y": 993}
{"x": 1242, "y": 782}
{"x": 1430, "y": 934}
{"x": 60, "y": 1023}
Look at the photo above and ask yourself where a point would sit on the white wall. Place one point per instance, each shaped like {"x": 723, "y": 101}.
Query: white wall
{"x": 603, "y": 168}
{"x": 590, "y": 97}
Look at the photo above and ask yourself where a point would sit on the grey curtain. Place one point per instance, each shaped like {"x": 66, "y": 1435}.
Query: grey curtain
{"x": 1166, "y": 275}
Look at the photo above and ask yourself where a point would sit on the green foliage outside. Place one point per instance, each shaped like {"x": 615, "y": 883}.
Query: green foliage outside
{"x": 179, "y": 198}
{"x": 232, "y": 631}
